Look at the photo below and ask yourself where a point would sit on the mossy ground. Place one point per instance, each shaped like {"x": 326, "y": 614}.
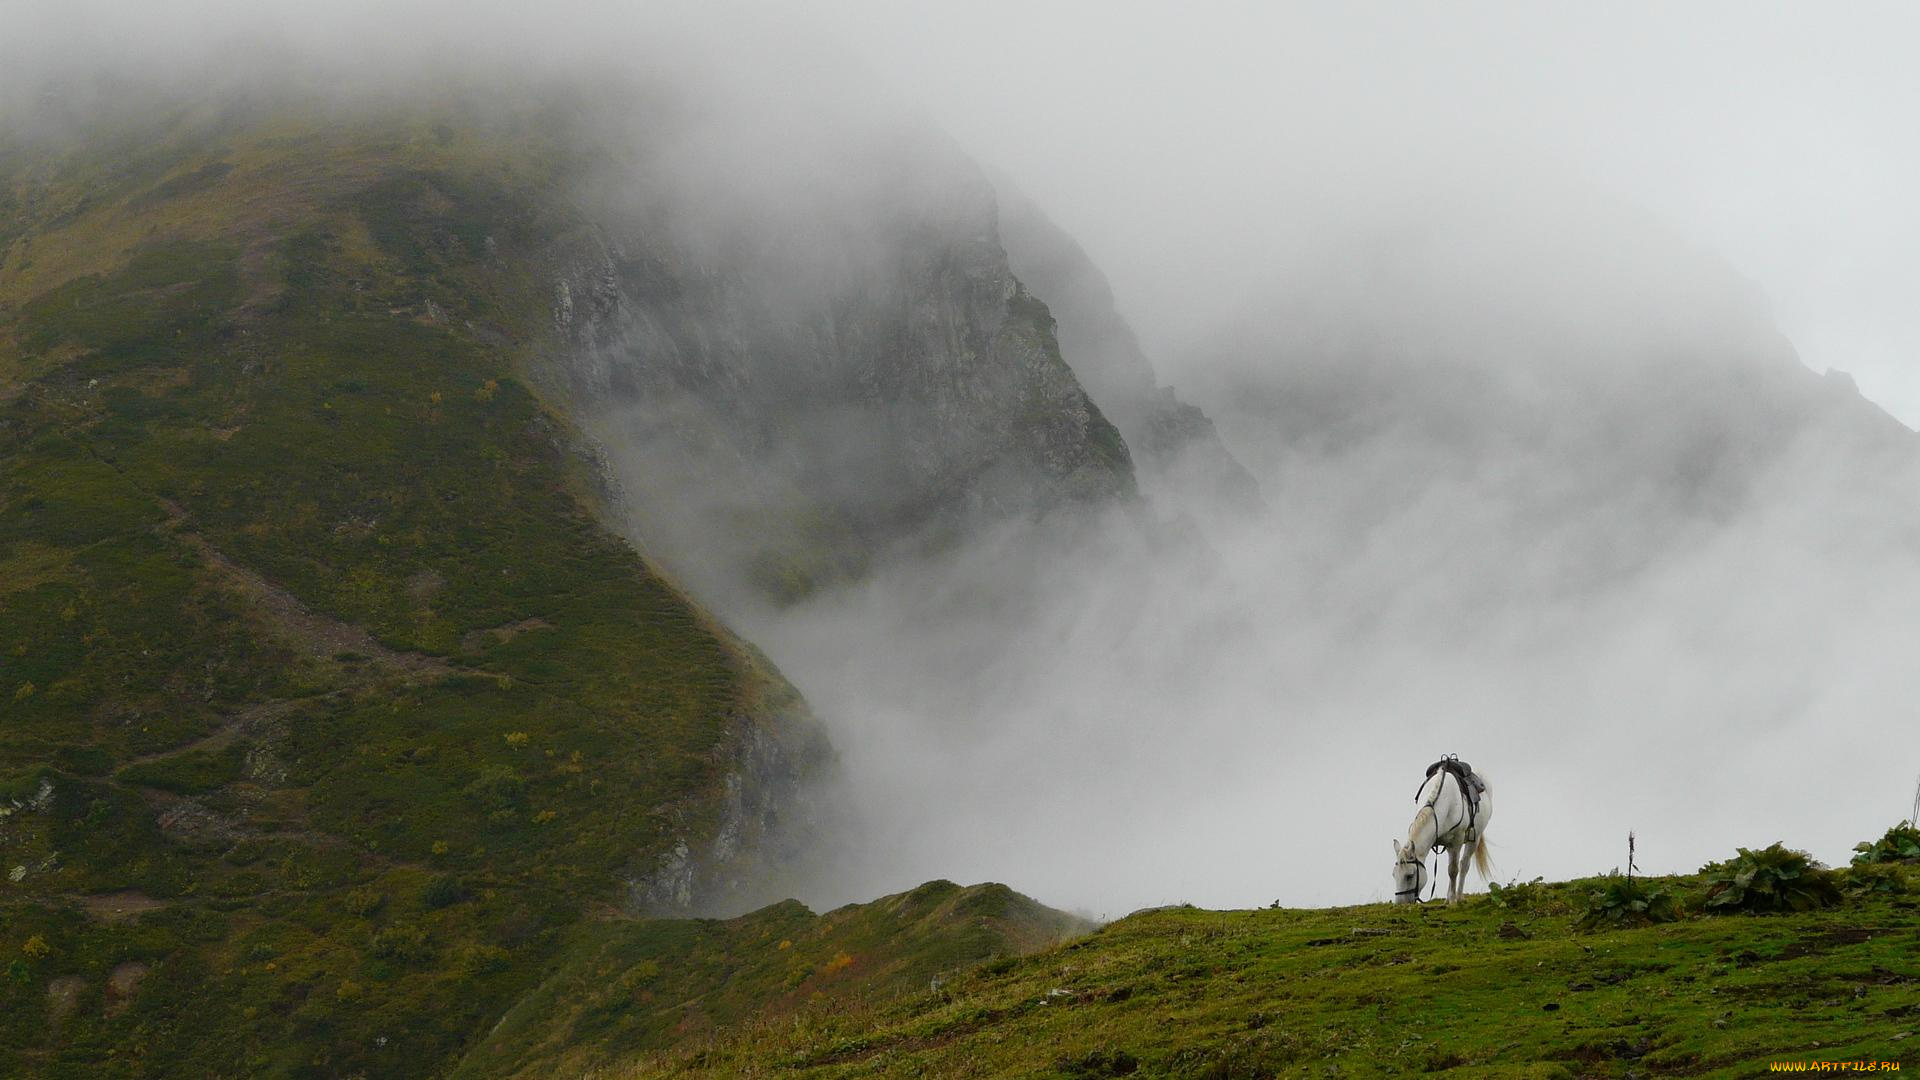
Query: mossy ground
{"x": 1477, "y": 990}
{"x": 323, "y": 695}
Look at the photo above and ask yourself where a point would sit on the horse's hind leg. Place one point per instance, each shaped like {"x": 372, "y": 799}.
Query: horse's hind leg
{"x": 1453, "y": 875}
{"x": 1466, "y": 865}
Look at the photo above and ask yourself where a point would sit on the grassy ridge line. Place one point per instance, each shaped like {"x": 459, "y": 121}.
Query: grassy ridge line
{"x": 326, "y": 705}
{"x": 1478, "y": 990}
{"x": 631, "y": 986}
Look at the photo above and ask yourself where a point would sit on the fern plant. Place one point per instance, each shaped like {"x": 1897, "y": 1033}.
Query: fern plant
{"x": 1901, "y": 843}
{"x": 1623, "y": 901}
{"x": 1774, "y": 878}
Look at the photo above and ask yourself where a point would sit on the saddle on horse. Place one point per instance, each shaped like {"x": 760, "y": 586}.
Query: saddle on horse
{"x": 1463, "y": 775}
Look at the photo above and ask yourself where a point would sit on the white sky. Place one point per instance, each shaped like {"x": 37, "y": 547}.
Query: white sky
{"x": 1186, "y": 143}
{"x": 1175, "y": 140}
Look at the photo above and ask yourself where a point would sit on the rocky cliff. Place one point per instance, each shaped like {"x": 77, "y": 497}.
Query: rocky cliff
{"x": 792, "y": 384}
{"x": 1174, "y": 442}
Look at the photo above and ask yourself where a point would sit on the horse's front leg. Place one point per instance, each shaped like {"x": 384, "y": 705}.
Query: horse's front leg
{"x": 1453, "y": 875}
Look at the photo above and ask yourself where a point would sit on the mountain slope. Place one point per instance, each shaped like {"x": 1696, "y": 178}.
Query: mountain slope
{"x": 327, "y": 699}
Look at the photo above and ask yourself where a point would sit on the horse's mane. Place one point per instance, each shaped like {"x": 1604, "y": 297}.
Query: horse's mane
{"x": 1413, "y": 831}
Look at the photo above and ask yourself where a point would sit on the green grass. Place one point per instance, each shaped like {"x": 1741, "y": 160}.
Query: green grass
{"x": 1478, "y": 990}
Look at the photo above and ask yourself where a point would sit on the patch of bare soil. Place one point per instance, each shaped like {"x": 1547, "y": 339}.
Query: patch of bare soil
{"x": 119, "y": 907}
{"x": 190, "y": 820}
{"x": 63, "y": 996}
{"x": 318, "y": 635}
{"x": 122, "y": 983}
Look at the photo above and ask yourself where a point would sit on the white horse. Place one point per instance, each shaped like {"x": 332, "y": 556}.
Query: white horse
{"x": 1447, "y": 818}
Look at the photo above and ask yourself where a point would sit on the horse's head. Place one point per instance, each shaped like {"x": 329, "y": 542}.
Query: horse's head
{"x": 1409, "y": 874}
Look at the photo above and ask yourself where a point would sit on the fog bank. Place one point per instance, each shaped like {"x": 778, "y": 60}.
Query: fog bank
{"x": 1509, "y": 312}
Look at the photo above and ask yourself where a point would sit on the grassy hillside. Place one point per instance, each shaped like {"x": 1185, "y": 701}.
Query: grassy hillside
{"x": 650, "y": 985}
{"x": 327, "y": 708}
{"x": 1506, "y": 985}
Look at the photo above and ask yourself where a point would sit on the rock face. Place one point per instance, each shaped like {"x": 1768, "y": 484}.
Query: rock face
{"x": 1174, "y": 443}
{"x": 775, "y": 809}
{"x": 812, "y": 381}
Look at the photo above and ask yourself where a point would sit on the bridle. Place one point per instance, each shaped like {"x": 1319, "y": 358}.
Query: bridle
{"x": 1417, "y": 868}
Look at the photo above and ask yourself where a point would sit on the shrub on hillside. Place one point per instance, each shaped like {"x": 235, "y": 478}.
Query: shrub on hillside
{"x": 443, "y": 891}
{"x": 1623, "y": 901}
{"x": 1775, "y": 878}
{"x": 1902, "y": 843}
{"x": 1877, "y": 878}
{"x": 403, "y": 944}
{"x": 1534, "y": 897}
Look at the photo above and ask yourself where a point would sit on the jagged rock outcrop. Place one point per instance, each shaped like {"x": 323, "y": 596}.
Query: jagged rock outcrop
{"x": 851, "y": 372}
{"x": 1174, "y": 442}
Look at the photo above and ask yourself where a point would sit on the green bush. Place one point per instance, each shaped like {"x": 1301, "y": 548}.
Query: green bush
{"x": 1774, "y": 878}
{"x": 443, "y": 891}
{"x": 366, "y": 902}
{"x": 1518, "y": 895}
{"x": 1877, "y": 878}
{"x": 1622, "y": 901}
{"x": 497, "y": 788}
{"x": 403, "y": 943}
{"x": 1901, "y": 843}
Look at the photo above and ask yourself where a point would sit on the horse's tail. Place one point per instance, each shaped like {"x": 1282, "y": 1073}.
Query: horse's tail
{"x": 1480, "y": 860}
